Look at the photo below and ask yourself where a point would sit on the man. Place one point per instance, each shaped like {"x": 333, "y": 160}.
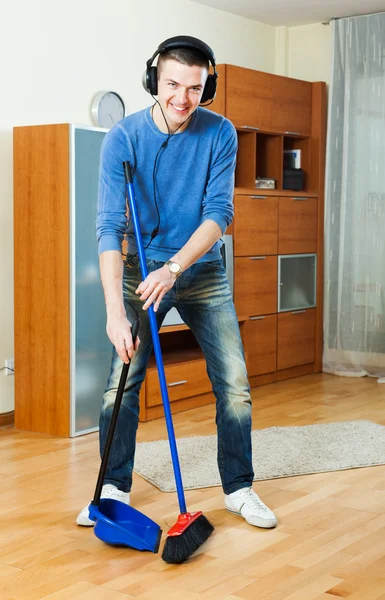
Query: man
{"x": 183, "y": 158}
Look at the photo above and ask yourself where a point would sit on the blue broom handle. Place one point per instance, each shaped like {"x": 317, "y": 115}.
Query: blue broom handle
{"x": 155, "y": 340}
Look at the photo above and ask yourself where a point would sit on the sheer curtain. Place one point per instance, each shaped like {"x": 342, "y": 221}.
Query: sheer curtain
{"x": 354, "y": 308}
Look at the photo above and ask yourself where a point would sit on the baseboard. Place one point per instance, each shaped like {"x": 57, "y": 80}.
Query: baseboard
{"x": 258, "y": 380}
{"x": 7, "y": 419}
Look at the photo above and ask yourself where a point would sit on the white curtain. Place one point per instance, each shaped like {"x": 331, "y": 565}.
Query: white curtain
{"x": 354, "y": 307}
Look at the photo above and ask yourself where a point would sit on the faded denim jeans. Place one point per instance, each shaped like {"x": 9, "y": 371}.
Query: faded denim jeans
{"x": 203, "y": 298}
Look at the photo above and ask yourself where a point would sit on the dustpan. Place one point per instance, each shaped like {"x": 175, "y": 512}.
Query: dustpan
{"x": 117, "y": 523}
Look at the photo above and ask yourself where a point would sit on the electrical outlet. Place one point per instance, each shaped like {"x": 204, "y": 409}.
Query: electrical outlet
{"x": 9, "y": 366}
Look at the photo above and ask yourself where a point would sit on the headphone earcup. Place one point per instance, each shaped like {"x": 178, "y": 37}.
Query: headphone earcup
{"x": 209, "y": 89}
{"x": 150, "y": 80}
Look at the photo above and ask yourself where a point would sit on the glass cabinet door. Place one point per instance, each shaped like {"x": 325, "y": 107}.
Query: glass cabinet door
{"x": 91, "y": 349}
{"x": 297, "y": 275}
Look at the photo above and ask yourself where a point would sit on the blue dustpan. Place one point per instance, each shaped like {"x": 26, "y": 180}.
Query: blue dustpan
{"x": 119, "y": 524}
{"x": 115, "y": 522}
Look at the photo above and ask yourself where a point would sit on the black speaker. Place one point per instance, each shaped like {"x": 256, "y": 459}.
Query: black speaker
{"x": 150, "y": 79}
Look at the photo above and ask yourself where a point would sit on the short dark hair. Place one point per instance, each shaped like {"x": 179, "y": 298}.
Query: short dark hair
{"x": 186, "y": 56}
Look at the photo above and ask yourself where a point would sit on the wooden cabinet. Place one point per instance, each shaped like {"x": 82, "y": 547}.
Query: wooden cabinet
{"x": 261, "y": 344}
{"x": 296, "y": 338}
{"x": 248, "y": 98}
{"x": 255, "y": 225}
{"x": 61, "y": 350}
{"x": 255, "y": 285}
{"x": 291, "y": 105}
{"x": 274, "y": 114}
{"x": 298, "y": 225}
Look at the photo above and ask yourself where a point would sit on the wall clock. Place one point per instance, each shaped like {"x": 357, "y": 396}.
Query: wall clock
{"x": 107, "y": 108}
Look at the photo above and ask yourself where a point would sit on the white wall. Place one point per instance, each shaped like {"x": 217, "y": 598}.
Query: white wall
{"x": 55, "y": 56}
{"x": 281, "y": 50}
{"x": 309, "y": 52}
{"x": 304, "y": 52}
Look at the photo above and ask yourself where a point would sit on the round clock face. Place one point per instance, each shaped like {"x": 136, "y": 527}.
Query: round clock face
{"x": 107, "y": 109}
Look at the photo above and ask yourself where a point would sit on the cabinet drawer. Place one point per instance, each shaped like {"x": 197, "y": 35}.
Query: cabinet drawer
{"x": 248, "y": 98}
{"x": 255, "y": 285}
{"x": 255, "y": 225}
{"x": 183, "y": 380}
{"x": 261, "y": 344}
{"x": 296, "y": 338}
{"x": 297, "y": 225}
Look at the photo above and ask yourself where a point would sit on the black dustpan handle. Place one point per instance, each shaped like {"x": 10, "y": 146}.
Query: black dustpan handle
{"x": 114, "y": 418}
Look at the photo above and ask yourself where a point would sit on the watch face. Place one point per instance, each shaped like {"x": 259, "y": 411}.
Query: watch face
{"x": 174, "y": 268}
{"x": 107, "y": 109}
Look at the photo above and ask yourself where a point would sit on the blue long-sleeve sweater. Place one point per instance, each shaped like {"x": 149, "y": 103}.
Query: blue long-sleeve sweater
{"x": 194, "y": 179}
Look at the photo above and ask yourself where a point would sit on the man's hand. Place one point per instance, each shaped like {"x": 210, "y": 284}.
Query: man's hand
{"x": 119, "y": 332}
{"x": 155, "y": 286}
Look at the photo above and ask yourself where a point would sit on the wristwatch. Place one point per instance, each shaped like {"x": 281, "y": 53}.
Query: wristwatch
{"x": 174, "y": 268}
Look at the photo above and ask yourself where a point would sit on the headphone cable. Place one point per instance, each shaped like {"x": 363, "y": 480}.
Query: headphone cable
{"x": 155, "y": 231}
{"x": 164, "y": 145}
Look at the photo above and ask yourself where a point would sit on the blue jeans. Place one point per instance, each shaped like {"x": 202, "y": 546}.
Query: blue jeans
{"x": 203, "y": 298}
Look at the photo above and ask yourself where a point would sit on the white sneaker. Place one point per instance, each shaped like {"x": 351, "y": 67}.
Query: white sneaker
{"x": 108, "y": 491}
{"x": 247, "y": 503}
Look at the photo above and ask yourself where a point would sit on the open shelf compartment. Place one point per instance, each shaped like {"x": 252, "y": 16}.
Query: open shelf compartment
{"x": 303, "y": 145}
{"x": 269, "y": 158}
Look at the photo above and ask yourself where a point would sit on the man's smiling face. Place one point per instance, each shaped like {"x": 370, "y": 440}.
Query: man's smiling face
{"x": 180, "y": 89}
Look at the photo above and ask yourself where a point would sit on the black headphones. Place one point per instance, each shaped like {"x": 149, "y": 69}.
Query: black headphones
{"x": 150, "y": 79}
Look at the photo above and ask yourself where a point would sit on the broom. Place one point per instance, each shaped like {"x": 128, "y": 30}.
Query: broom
{"x": 191, "y": 529}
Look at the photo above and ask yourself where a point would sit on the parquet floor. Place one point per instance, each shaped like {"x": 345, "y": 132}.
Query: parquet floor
{"x": 330, "y": 542}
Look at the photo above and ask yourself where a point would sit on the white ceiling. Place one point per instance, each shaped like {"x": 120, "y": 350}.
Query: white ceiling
{"x": 295, "y": 12}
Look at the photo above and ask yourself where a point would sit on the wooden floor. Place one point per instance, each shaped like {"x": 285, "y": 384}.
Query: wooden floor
{"x": 330, "y": 541}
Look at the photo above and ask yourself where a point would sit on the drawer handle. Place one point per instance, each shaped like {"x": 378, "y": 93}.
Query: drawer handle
{"x": 177, "y": 383}
{"x": 258, "y": 197}
{"x": 292, "y": 133}
{"x": 299, "y": 198}
{"x": 250, "y": 127}
{"x": 257, "y": 318}
{"x": 298, "y": 312}
{"x": 257, "y": 257}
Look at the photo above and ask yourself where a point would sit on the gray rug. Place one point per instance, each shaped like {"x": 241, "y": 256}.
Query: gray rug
{"x": 277, "y": 452}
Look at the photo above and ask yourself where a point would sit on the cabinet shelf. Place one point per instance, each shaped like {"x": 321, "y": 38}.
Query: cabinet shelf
{"x": 249, "y": 190}
{"x": 174, "y": 357}
{"x": 246, "y": 129}
{"x": 179, "y": 344}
